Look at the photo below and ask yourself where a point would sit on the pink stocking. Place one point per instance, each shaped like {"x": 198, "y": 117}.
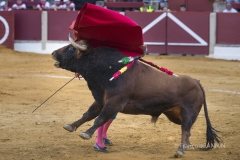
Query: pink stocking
{"x": 99, "y": 137}
{"x": 105, "y": 128}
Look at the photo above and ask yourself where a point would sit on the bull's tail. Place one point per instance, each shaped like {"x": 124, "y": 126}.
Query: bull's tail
{"x": 211, "y": 135}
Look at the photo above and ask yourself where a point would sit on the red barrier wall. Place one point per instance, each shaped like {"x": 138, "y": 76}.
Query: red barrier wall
{"x": 175, "y": 32}
{"x": 191, "y": 5}
{"x": 163, "y": 32}
{"x": 123, "y": 4}
{"x": 174, "y": 5}
{"x": 199, "y": 6}
{"x": 27, "y": 25}
{"x": 228, "y": 28}
{"x": 7, "y": 29}
{"x": 58, "y": 24}
{"x": 188, "y": 33}
{"x": 236, "y": 6}
{"x": 155, "y": 34}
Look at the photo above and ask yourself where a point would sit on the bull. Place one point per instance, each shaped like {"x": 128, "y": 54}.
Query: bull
{"x": 140, "y": 90}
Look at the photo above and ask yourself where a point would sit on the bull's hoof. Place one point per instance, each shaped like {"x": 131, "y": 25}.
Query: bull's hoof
{"x": 178, "y": 154}
{"x": 85, "y": 136}
{"x": 187, "y": 148}
{"x": 69, "y": 128}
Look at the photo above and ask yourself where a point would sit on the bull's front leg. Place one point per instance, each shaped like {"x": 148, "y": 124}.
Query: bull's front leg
{"x": 113, "y": 106}
{"x": 92, "y": 113}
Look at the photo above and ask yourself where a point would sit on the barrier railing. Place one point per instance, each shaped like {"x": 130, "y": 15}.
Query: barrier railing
{"x": 172, "y": 33}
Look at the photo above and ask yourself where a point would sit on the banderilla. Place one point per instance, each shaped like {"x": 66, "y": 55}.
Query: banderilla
{"x": 53, "y": 94}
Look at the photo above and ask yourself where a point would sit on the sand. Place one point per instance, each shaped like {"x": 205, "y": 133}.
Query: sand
{"x": 27, "y": 79}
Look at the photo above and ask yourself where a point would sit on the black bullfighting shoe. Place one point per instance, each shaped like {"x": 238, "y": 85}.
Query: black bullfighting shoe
{"x": 107, "y": 141}
{"x": 100, "y": 149}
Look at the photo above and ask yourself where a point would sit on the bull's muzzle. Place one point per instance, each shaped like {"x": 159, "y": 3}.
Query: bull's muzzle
{"x": 57, "y": 63}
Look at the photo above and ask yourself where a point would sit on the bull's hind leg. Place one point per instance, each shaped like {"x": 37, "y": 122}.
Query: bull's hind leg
{"x": 189, "y": 116}
{"x": 92, "y": 113}
{"x": 174, "y": 115}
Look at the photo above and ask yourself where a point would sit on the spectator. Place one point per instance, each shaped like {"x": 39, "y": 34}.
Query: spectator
{"x": 4, "y": 6}
{"x": 162, "y": 4}
{"x": 219, "y": 5}
{"x": 232, "y": 1}
{"x": 229, "y": 9}
{"x": 69, "y": 5}
{"x": 146, "y": 7}
{"x": 19, "y": 5}
{"x": 163, "y": 7}
{"x": 183, "y": 8}
{"x": 160, "y": 8}
{"x": 43, "y": 5}
{"x": 166, "y": 9}
{"x": 57, "y": 5}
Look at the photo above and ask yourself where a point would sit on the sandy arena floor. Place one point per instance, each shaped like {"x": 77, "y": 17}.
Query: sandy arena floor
{"x": 26, "y": 80}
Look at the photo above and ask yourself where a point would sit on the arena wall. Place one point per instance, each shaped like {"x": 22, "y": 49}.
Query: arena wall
{"x": 200, "y": 33}
{"x": 7, "y": 29}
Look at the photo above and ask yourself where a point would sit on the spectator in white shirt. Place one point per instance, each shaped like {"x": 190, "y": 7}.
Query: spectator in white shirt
{"x": 69, "y": 5}
{"x": 4, "y": 6}
{"x": 57, "y": 5}
{"x": 183, "y": 8}
{"x": 19, "y": 5}
{"x": 43, "y": 5}
{"x": 229, "y": 9}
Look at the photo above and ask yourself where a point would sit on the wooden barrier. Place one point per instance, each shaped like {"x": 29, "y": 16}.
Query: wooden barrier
{"x": 199, "y": 5}
{"x": 175, "y": 32}
{"x": 188, "y": 33}
{"x": 58, "y": 24}
{"x": 7, "y": 29}
{"x": 27, "y": 24}
{"x": 228, "y": 25}
{"x": 123, "y": 4}
{"x": 236, "y": 6}
{"x": 174, "y": 5}
{"x": 171, "y": 33}
{"x": 154, "y": 34}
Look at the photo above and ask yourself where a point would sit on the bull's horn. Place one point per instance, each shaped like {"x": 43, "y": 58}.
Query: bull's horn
{"x": 76, "y": 45}
{"x": 143, "y": 47}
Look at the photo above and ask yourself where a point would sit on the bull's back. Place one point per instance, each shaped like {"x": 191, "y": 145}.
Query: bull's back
{"x": 150, "y": 82}
{"x": 153, "y": 81}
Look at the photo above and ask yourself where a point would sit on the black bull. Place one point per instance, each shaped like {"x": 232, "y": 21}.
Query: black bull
{"x": 140, "y": 90}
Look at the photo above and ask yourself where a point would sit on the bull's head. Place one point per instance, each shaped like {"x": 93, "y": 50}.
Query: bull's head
{"x": 67, "y": 57}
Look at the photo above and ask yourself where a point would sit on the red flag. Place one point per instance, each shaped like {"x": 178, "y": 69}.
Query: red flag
{"x": 104, "y": 27}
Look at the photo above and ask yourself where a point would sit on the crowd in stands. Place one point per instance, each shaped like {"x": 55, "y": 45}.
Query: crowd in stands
{"x": 226, "y": 6}
{"x": 69, "y": 5}
{"x": 4, "y": 6}
{"x": 229, "y": 8}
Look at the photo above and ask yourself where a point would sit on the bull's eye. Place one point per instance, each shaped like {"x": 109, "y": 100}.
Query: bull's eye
{"x": 71, "y": 48}
{"x": 70, "y": 52}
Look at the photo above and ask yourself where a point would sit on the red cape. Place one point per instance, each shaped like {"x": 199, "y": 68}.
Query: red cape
{"x": 104, "y": 27}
